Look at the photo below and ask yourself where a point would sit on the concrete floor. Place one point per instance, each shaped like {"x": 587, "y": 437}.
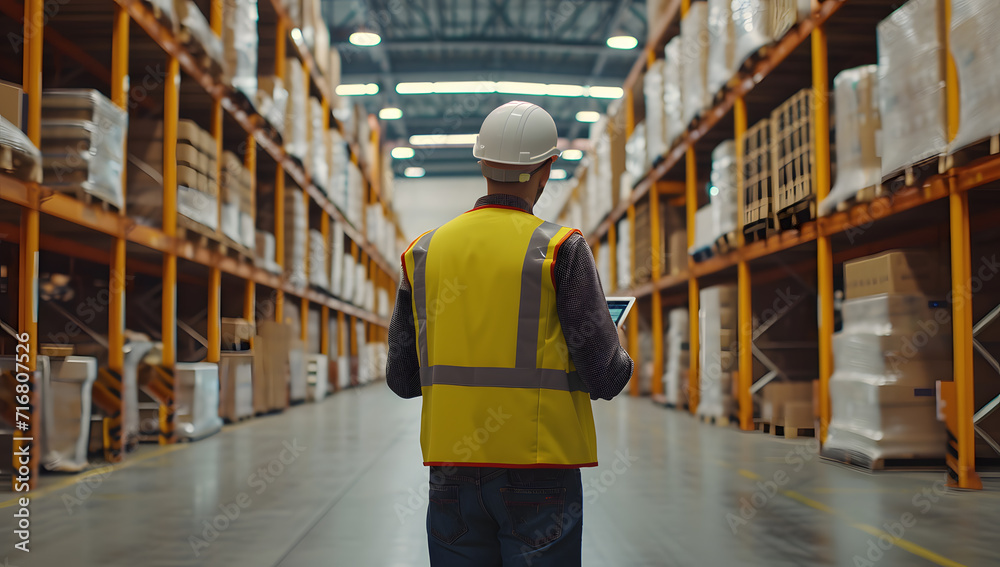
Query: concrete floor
{"x": 669, "y": 491}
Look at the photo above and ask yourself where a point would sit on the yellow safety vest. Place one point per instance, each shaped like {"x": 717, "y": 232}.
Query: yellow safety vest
{"x": 499, "y": 388}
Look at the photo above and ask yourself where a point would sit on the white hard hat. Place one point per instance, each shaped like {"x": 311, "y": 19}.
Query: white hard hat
{"x": 517, "y": 133}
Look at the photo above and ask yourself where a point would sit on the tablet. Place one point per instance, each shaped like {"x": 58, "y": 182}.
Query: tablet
{"x": 619, "y": 308}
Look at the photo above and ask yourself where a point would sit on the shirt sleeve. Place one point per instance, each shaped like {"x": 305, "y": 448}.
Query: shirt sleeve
{"x": 402, "y": 368}
{"x": 602, "y": 364}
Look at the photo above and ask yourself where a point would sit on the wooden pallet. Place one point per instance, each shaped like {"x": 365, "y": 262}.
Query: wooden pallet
{"x": 786, "y": 432}
{"x": 797, "y": 214}
{"x": 721, "y": 421}
{"x": 864, "y": 463}
{"x": 725, "y": 243}
{"x": 866, "y": 195}
{"x": 914, "y": 175}
{"x": 759, "y": 230}
{"x": 759, "y": 220}
{"x": 197, "y": 233}
{"x": 983, "y": 148}
{"x": 20, "y": 165}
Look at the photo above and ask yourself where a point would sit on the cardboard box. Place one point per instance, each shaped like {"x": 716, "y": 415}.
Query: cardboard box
{"x": 236, "y": 385}
{"x": 916, "y": 272}
{"x": 11, "y": 103}
{"x": 779, "y": 395}
{"x": 236, "y": 333}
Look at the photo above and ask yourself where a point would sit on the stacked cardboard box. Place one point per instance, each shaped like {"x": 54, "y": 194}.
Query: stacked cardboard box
{"x": 718, "y": 355}
{"x": 239, "y": 45}
{"x": 82, "y": 146}
{"x": 975, "y": 45}
{"x": 336, "y": 258}
{"x": 192, "y": 30}
{"x": 340, "y": 159}
{"x": 272, "y": 101}
{"x": 272, "y": 344}
{"x": 236, "y": 192}
{"x": 911, "y": 79}
{"x": 295, "y": 236}
{"x": 895, "y": 345}
{"x": 197, "y": 176}
{"x": 319, "y": 151}
{"x": 18, "y": 156}
{"x": 264, "y": 252}
{"x": 319, "y": 275}
{"x": 675, "y": 377}
{"x": 788, "y": 405}
{"x": 236, "y": 385}
{"x": 694, "y": 62}
{"x": 858, "y": 127}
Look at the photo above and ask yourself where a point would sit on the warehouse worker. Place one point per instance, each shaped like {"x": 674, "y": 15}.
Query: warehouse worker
{"x": 501, "y": 325}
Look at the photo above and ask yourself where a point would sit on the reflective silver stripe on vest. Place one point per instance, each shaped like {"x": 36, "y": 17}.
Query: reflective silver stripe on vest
{"x": 530, "y": 302}
{"x": 547, "y": 378}
{"x": 420, "y": 292}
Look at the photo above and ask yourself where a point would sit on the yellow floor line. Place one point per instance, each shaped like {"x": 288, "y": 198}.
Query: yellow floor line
{"x": 748, "y": 474}
{"x": 71, "y": 480}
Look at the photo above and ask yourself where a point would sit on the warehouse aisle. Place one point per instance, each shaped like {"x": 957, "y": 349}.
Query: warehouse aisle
{"x": 340, "y": 483}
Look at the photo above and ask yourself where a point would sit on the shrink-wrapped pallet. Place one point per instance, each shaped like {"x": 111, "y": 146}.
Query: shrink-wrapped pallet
{"x": 717, "y": 355}
{"x": 975, "y": 46}
{"x": 705, "y": 230}
{"x": 721, "y": 51}
{"x": 319, "y": 276}
{"x": 348, "y": 279}
{"x": 196, "y": 402}
{"x": 675, "y": 384}
{"x": 339, "y": 159}
{"x": 758, "y": 23}
{"x": 82, "y": 143}
{"x": 722, "y": 191}
{"x": 296, "y": 129}
{"x": 272, "y": 101}
{"x": 236, "y": 385}
{"x": 317, "y": 165}
{"x": 624, "y": 255}
{"x": 673, "y": 119}
{"x": 858, "y": 127}
{"x": 18, "y": 156}
{"x": 911, "y": 85}
{"x": 636, "y": 158}
{"x": 295, "y": 237}
{"x": 239, "y": 44}
{"x": 695, "y": 41}
{"x": 264, "y": 250}
{"x": 891, "y": 352}
{"x": 192, "y": 29}
{"x": 236, "y": 201}
{"x": 656, "y": 135}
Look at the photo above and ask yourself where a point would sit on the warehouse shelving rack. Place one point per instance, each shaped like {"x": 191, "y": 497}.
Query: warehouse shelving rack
{"x": 812, "y": 245}
{"x": 127, "y": 235}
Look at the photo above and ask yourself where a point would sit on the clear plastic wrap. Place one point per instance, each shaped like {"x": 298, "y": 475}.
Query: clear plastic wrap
{"x": 758, "y": 23}
{"x": 656, "y": 135}
{"x": 858, "y": 127}
{"x": 717, "y": 355}
{"x": 635, "y": 152}
{"x": 236, "y": 385}
{"x": 704, "y": 229}
{"x": 295, "y": 237}
{"x": 192, "y": 22}
{"x": 25, "y": 160}
{"x": 896, "y": 313}
{"x": 272, "y": 101}
{"x": 264, "y": 252}
{"x": 722, "y": 191}
{"x": 674, "y": 377}
{"x": 721, "y": 51}
{"x": 336, "y": 258}
{"x": 197, "y": 399}
{"x": 295, "y": 133}
{"x": 911, "y": 86}
{"x": 239, "y": 44}
{"x": 348, "y": 287}
{"x": 695, "y": 41}
{"x": 318, "y": 275}
{"x": 975, "y": 46}
{"x": 318, "y": 167}
{"x": 672, "y": 107}
{"x": 66, "y": 405}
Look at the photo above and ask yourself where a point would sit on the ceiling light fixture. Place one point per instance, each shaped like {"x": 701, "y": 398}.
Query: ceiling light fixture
{"x": 365, "y": 39}
{"x": 507, "y": 87}
{"x": 414, "y": 172}
{"x": 297, "y": 35}
{"x": 622, "y": 42}
{"x": 557, "y": 174}
{"x": 588, "y": 116}
{"x": 443, "y": 140}
{"x": 402, "y": 152}
{"x": 390, "y": 113}
{"x": 572, "y": 155}
{"x": 357, "y": 89}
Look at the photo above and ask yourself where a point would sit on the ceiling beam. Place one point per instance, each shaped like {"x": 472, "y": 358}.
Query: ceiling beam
{"x": 489, "y": 44}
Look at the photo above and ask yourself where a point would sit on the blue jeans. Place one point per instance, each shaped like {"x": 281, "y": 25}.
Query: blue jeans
{"x": 491, "y": 517}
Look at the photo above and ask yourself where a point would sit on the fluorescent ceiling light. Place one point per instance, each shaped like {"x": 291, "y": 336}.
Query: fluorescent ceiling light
{"x": 606, "y": 92}
{"x": 414, "y": 172}
{"x": 297, "y": 35}
{"x": 588, "y": 116}
{"x": 357, "y": 89}
{"x": 622, "y": 42}
{"x": 507, "y": 87}
{"x": 402, "y": 152}
{"x": 365, "y": 39}
{"x": 572, "y": 155}
{"x": 557, "y": 174}
{"x": 390, "y": 113}
{"x": 443, "y": 140}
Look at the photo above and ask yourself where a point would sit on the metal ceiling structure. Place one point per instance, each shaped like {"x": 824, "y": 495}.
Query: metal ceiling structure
{"x": 540, "y": 41}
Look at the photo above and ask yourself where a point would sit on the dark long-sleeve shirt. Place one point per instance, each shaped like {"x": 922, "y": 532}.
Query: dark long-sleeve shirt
{"x": 591, "y": 335}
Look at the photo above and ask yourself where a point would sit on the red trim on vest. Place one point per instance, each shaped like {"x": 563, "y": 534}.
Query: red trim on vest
{"x": 555, "y": 254}
{"x": 509, "y": 466}
{"x": 402, "y": 257}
